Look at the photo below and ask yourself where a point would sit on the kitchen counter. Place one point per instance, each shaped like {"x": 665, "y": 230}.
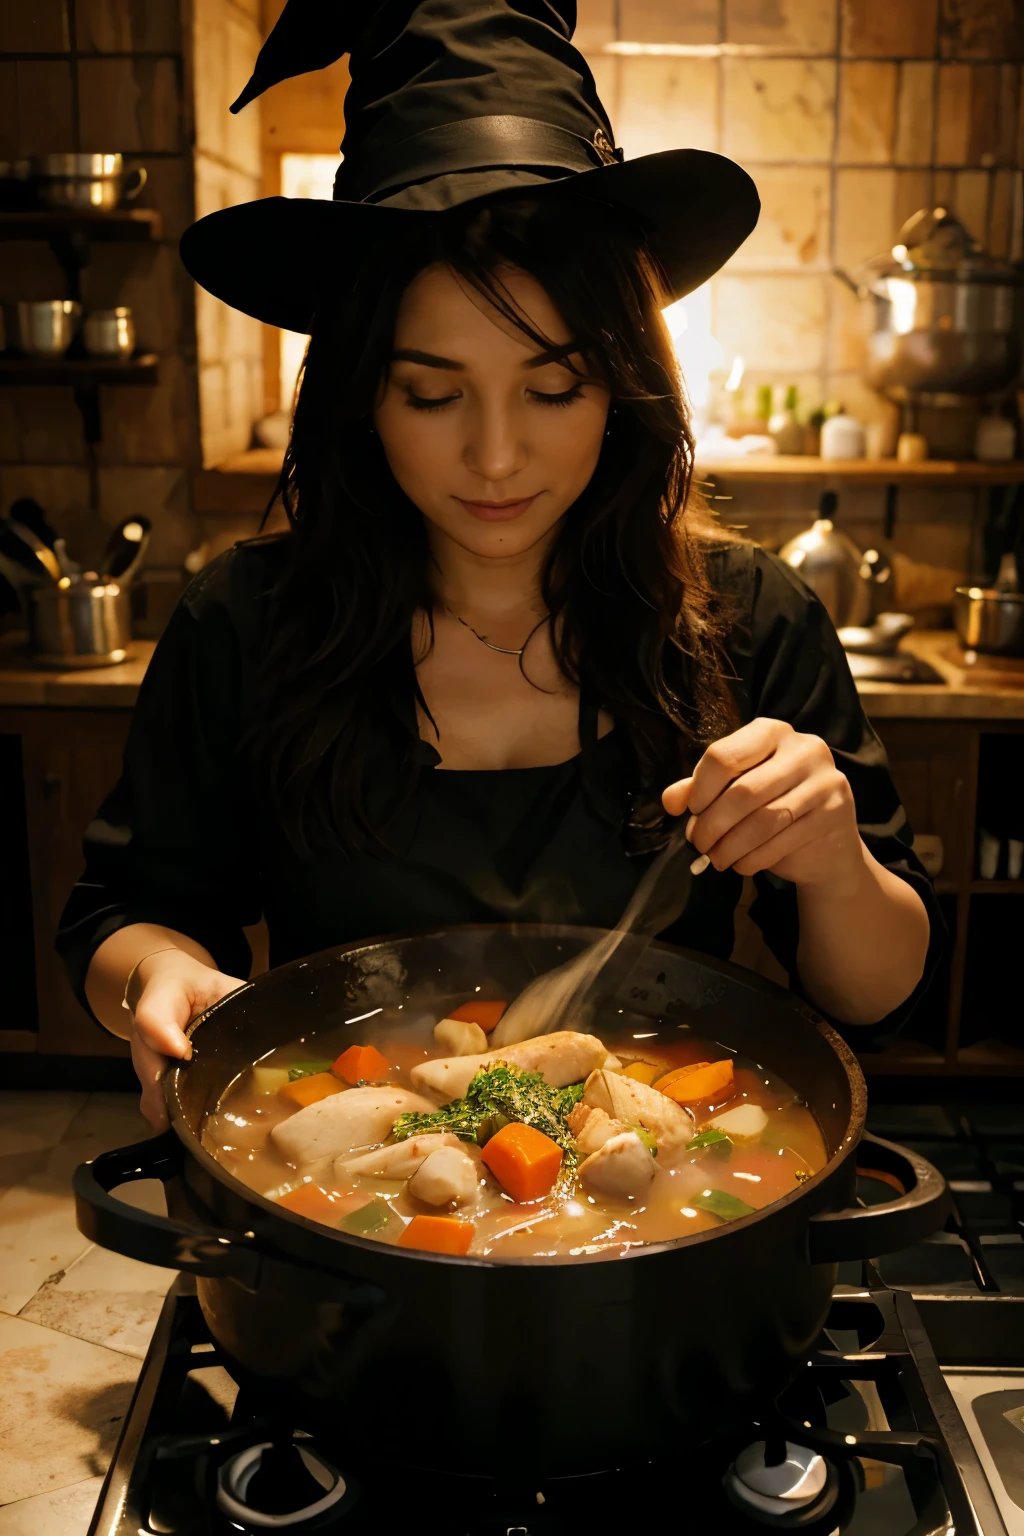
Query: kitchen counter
{"x": 966, "y": 695}
{"x": 24, "y": 685}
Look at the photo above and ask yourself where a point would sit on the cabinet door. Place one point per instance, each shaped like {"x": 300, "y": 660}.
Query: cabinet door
{"x": 70, "y": 759}
{"x": 934, "y": 766}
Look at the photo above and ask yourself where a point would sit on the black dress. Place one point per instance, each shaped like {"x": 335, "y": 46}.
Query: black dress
{"x": 181, "y": 842}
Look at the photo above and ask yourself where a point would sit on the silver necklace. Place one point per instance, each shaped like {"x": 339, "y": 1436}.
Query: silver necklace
{"x": 502, "y": 650}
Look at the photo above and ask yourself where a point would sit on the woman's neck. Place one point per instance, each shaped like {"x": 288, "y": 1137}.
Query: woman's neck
{"x": 468, "y": 584}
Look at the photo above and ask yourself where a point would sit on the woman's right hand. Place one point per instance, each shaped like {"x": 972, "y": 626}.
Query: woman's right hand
{"x": 175, "y": 987}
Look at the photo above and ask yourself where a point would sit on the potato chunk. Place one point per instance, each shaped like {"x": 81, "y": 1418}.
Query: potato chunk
{"x": 398, "y": 1161}
{"x": 459, "y": 1037}
{"x": 448, "y": 1176}
{"x": 744, "y": 1123}
{"x": 622, "y": 1168}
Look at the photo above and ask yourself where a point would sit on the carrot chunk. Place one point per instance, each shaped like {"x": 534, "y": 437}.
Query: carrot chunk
{"x": 361, "y": 1063}
{"x": 438, "y": 1234}
{"x": 307, "y": 1090}
{"x": 700, "y": 1080}
{"x": 478, "y": 1012}
{"x": 523, "y": 1160}
{"x": 311, "y": 1201}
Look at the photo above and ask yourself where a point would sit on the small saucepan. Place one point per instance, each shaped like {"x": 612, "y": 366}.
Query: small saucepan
{"x": 989, "y": 621}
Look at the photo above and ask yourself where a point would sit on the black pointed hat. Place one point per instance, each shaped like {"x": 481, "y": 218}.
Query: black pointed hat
{"x": 451, "y": 101}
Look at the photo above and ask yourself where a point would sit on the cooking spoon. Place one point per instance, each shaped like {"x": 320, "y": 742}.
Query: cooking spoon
{"x": 43, "y": 553}
{"x": 571, "y": 993}
{"x": 22, "y": 556}
{"x": 125, "y": 549}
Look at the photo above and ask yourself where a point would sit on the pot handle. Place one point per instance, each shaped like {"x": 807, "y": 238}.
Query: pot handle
{"x": 862, "y": 1232}
{"x": 133, "y": 183}
{"x": 154, "y": 1239}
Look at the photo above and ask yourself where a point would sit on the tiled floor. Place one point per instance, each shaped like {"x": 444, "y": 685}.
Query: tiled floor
{"x": 74, "y": 1319}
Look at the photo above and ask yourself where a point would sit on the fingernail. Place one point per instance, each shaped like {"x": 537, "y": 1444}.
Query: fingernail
{"x": 700, "y": 865}
{"x": 188, "y": 1051}
{"x": 689, "y": 828}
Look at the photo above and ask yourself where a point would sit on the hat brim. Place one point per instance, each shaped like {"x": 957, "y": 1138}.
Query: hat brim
{"x": 275, "y": 257}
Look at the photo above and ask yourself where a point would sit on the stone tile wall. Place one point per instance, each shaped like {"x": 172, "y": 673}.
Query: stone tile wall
{"x": 106, "y": 75}
{"x": 849, "y": 114}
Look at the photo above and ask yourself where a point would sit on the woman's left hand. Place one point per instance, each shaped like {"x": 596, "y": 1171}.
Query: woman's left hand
{"x": 768, "y": 797}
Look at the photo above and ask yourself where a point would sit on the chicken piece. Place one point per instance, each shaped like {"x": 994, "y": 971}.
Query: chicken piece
{"x": 400, "y": 1160}
{"x": 459, "y": 1037}
{"x": 623, "y": 1098}
{"x": 564, "y": 1057}
{"x": 448, "y": 1176}
{"x": 360, "y": 1117}
{"x": 591, "y": 1128}
{"x": 622, "y": 1168}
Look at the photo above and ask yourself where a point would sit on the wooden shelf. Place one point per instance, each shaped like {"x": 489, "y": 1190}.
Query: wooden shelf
{"x": 932, "y": 472}
{"x": 997, "y": 887}
{"x": 80, "y": 372}
{"x": 989, "y": 1056}
{"x": 127, "y": 224}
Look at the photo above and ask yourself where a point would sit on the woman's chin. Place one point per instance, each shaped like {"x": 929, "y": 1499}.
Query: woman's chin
{"x": 495, "y": 540}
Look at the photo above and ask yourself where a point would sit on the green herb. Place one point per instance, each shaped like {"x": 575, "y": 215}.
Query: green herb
{"x": 645, "y": 1136}
{"x": 307, "y": 1069}
{"x": 497, "y": 1095}
{"x": 708, "y": 1138}
{"x": 726, "y": 1207}
{"x": 801, "y": 1175}
{"x": 368, "y": 1220}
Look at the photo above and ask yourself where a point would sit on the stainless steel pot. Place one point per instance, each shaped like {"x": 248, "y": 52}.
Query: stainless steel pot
{"x": 109, "y": 332}
{"x": 97, "y": 181}
{"x": 46, "y": 327}
{"x": 989, "y": 621}
{"x": 79, "y": 624}
{"x": 943, "y": 316}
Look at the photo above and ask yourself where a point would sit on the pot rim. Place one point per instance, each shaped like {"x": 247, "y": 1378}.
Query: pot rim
{"x": 193, "y": 1144}
{"x": 979, "y": 595}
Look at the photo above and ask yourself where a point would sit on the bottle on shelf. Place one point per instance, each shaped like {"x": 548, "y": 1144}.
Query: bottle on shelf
{"x": 784, "y": 427}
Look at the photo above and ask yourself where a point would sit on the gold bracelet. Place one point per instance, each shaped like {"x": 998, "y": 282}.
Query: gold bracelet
{"x": 132, "y": 1004}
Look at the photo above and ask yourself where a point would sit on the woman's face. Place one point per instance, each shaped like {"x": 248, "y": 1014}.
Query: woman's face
{"x": 492, "y": 440}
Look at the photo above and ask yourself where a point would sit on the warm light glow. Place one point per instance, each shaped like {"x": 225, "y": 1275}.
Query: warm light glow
{"x": 699, "y": 353}
{"x": 735, "y": 378}
{"x": 903, "y": 298}
{"x": 64, "y": 583}
{"x": 899, "y": 253}
{"x": 301, "y": 176}
{"x": 133, "y": 532}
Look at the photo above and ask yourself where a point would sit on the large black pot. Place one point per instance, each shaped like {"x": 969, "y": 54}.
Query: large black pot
{"x": 551, "y": 1365}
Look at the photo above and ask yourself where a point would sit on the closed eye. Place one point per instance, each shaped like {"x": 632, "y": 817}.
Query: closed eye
{"x": 566, "y": 397}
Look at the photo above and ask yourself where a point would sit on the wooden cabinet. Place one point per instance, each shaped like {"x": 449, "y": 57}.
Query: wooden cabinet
{"x": 69, "y": 759}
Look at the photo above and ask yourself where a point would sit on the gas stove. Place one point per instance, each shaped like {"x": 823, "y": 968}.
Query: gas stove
{"x": 908, "y": 1421}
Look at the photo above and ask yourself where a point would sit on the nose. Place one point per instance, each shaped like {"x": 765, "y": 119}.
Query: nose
{"x": 495, "y": 448}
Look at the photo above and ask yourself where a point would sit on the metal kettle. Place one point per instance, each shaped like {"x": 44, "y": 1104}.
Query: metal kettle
{"x": 832, "y": 566}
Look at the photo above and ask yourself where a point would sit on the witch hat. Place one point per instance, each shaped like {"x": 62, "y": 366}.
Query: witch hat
{"x": 451, "y": 101}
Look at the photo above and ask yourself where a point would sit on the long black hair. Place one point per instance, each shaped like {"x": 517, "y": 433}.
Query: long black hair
{"x": 634, "y": 620}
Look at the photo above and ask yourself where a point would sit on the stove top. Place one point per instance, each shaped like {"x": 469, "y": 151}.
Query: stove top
{"x": 909, "y": 1420}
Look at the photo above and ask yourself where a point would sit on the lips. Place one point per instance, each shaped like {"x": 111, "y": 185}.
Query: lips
{"x": 497, "y": 511}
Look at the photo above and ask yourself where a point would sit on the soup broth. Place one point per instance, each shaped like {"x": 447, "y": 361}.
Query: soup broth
{"x": 567, "y": 1144}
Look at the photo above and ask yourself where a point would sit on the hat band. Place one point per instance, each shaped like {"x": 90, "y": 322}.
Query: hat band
{"x": 472, "y": 144}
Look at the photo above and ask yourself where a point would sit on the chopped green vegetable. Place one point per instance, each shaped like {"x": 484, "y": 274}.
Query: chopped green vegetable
{"x": 725, "y": 1206}
{"x": 801, "y": 1175}
{"x": 645, "y": 1136}
{"x": 708, "y": 1138}
{"x": 499, "y": 1094}
{"x": 307, "y": 1069}
{"x": 368, "y": 1220}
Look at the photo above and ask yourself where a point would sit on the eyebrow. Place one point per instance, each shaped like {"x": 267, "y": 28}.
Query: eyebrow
{"x": 432, "y": 360}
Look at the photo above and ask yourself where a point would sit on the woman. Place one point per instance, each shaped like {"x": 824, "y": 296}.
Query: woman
{"x": 501, "y": 648}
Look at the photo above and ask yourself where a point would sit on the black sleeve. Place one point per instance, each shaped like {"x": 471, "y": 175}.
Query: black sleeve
{"x": 172, "y": 843}
{"x": 796, "y": 670}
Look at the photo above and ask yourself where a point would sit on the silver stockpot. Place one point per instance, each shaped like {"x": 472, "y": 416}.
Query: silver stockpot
{"x": 943, "y": 316}
{"x": 79, "y": 623}
{"x": 989, "y": 621}
{"x": 85, "y": 181}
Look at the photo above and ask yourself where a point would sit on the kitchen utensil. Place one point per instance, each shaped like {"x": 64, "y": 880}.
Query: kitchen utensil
{"x": 68, "y": 567}
{"x": 1007, "y": 579}
{"x": 17, "y": 556}
{"x": 79, "y": 624}
{"x": 881, "y": 638}
{"x": 46, "y": 327}
{"x": 830, "y": 563}
{"x": 125, "y": 549}
{"x": 911, "y": 448}
{"x": 109, "y": 332}
{"x": 85, "y": 181}
{"x": 27, "y": 511}
{"x": 570, "y": 995}
{"x": 988, "y": 855}
{"x": 989, "y": 621}
{"x": 578, "y": 1361}
{"x": 995, "y": 440}
{"x": 45, "y": 558}
{"x": 943, "y": 312}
